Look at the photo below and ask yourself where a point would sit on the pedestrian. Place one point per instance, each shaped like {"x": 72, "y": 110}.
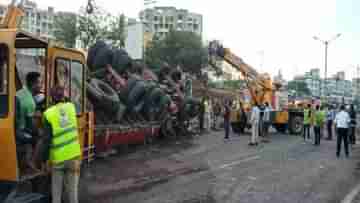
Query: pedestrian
{"x": 323, "y": 117}
{"x": 330, "y": 116}
{"x": 207, "y": 114}
{"x": 202, "y": 115}
{"x": 342, "y": 121}
{"x": 352, "y": 125}
{"x": 307, "y": 121}
{"x": 243, "y": 118}
{"x": 266, "y": 122}
{"x": 26, "y": 133}
{"x": 319, "y": 121}
{"x": 227, "y": 119}
{"x": 61, "y": 147}
{"x": 255, "y": 120}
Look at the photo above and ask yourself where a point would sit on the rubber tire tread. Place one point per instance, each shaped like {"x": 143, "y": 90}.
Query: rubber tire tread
{"x": 103, "y": 57}
{"x": 120, "y": 60}
{"x": 105, "y": 95}
{"x": 94, "y": 49}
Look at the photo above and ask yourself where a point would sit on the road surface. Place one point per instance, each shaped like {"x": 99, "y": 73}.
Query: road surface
{"x": 206, "y": 169}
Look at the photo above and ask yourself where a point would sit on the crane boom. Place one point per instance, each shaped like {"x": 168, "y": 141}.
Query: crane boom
{"x": 259, "y": 85}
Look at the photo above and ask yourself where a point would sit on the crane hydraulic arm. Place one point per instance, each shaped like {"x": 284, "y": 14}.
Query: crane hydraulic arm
{"x": 259, "y": 85}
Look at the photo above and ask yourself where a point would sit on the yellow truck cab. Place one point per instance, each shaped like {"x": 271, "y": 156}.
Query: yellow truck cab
{"x": 56, "y": 66}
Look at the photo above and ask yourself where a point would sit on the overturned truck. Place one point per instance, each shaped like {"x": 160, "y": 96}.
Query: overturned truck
{"x": 131, "y": 103}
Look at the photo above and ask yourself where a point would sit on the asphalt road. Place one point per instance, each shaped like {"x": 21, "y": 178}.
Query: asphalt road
{"x": 207, "y": 169}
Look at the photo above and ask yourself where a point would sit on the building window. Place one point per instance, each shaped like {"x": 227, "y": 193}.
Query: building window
{"x": 180, "y": 16}
{"x": 156, "y": 18}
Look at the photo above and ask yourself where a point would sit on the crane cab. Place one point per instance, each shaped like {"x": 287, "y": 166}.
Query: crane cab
{"x": 21, "y": 53}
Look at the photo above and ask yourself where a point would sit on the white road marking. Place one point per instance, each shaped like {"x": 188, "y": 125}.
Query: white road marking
{"x": 252, "y": 177}
{"x": 238, "y": 162}
{"x": 351, "y": 196}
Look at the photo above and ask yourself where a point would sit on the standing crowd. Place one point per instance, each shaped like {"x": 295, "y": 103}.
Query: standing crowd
{"x": 215, "y": 114}
{"x": 320, "y": 121}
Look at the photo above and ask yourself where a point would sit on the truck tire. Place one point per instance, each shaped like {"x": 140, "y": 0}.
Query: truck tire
{"x": 93, "y": 51}
{"x": 104, "y": 95}
{"x": 136, "y": 95}
{"x": 296, "y": 124}
{"x": 120, "y": 61}
{"x": 152, "y": 102}
{"x": 103, "y": 57}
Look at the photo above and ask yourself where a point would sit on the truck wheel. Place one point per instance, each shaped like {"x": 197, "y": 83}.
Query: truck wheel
{"x": 93, "y": 51}
{"x": 105, "y": 95}
{"x": 296, "y": 125}
{"x": 281, "y": 128}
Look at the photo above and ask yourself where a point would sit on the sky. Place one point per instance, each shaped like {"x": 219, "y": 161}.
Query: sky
{"x": 269, "y": 35}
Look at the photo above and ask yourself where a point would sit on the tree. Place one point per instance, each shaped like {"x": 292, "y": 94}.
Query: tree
{"x": 178, "y": 49}
{"x": 65, "y": 29}
{"x": 117, "y": 31}
{"x": 300, "y": 87}
{"x": 94, "y": 26}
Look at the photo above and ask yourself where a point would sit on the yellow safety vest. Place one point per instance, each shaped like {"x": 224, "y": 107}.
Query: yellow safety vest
{"x": 307, "y": 118}
{"x": 65, "y": 140}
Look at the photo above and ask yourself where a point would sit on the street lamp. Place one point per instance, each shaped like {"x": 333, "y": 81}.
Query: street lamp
{"x": 326, "y": 43}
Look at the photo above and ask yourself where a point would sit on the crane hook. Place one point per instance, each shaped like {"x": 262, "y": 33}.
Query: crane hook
{"x": 90, "y": 7}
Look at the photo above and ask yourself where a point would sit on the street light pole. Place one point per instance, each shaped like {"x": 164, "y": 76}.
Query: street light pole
{"x": 326, "y": 43}
{"x": 325, "y": 79}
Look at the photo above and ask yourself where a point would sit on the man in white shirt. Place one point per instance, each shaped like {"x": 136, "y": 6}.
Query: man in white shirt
{"x": 255, "y": 120}
{"x": 342, "y": 122}
{"x": 266, "y": 121}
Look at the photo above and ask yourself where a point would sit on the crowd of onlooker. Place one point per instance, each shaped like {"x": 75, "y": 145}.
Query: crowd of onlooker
{"x": 319, "y": 120}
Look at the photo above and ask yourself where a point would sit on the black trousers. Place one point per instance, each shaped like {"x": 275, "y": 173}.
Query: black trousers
{"x": 352, "y": 135}
{"x": 342, "y": 135}
{"x": 317, "y": 131}
{"x": 329, "y": 129}
{"x": 227, "y": 128}
{"x": 306, "y": 131}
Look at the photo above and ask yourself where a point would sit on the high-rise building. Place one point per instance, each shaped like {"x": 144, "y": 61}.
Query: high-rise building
{"x": 160, "y": 20}
{"x": 356, "y": 88}
{"x": 37, "y": 21}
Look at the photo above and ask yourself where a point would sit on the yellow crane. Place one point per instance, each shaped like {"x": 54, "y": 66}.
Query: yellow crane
{"x": 261, "y": 87}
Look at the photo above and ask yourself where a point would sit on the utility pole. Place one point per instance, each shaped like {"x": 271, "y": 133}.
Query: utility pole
{"x": 326, "y": 43}
{"x": 357, "y": 83}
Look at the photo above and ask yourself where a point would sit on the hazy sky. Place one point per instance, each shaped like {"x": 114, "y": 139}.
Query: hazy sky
{"x": 277, "y": 34}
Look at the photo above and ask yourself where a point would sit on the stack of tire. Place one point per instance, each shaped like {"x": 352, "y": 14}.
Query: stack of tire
{"x": 140, "y": 101}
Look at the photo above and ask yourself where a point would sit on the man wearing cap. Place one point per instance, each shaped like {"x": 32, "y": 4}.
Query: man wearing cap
{"x": 62, "y": 147}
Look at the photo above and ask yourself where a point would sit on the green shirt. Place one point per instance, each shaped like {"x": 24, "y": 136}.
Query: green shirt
{"x": 319, "y": 118}
{"x": 25, "y": 110}
{"x": 307, "y": 116}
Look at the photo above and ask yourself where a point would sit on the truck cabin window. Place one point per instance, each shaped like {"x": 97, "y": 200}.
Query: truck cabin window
{"x": 4, "y": 61}
{"x": 4, "y": 64}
